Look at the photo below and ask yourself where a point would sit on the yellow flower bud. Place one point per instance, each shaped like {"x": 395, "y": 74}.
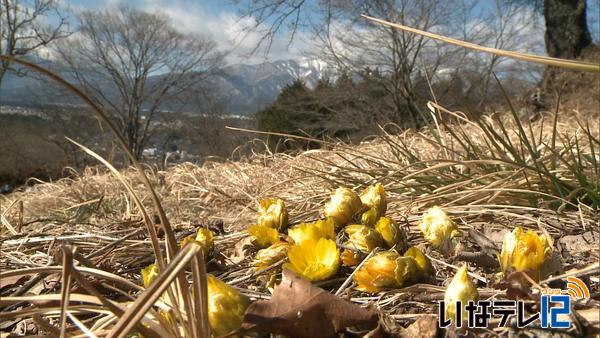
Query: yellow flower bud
{"x": 461, "y": 288}
{"x": 271, "y": 255}
{"x": 149, "y": 273}
{"x": 205, "y": 238}
{"x": 362, "y": 238}
{"x": 226, "y": 306}
{"x": 424, "y": 266}
{"x": 373, "y": 199}
{"x": 272, "y": 213}
{"x": 344, "y": 204}
{"x": 370, "y": 217}
{"x": 437, "y": 228}
{"x": 315, "y": 260}
{"x": 384, "y": 270}
{"x": 263, "y": 236}
{"x": 351, "y": 257}
{"x": 390, "y": 232}
{"x": 317, "y": 230}
{"x": 524, "y": 251}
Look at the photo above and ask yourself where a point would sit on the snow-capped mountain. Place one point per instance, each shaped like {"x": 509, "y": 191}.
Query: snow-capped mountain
{"x": 249, "y": 88}
{"x": 245, "y": 88}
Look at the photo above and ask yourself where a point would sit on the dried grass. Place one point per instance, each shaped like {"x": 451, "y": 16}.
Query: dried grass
{"x": 92, "y": 213}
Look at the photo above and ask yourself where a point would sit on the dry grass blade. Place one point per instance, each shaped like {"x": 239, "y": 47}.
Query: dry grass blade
{"x": 151, "y": 230}
{"x": 56, "y": 269}
{"x": 172, "y": 244}
{"x": 549, "y": 61}
{"x": 200, "y": 295}
{"x": 67, "y": 264}
{"x": 147, "y": 299}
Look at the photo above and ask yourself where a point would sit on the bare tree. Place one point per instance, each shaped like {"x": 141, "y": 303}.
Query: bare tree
{"x": 28, "y": 25}
{"x": 404, "y": 60}
{"x": 133, "y": 63}
{"x": 355, "y": 44}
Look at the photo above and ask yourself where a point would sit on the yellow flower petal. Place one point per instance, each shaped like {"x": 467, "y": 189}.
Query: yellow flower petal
{"x": 149, "y": 273}
{"x": 317, "y": 230}
{"x": 461, "y": 288}
{"x": 362, "y": 238}
{"x": 384, "y": 270}
{"x": 272, "y": 213}
{"x": 205, "y": 238}
{"x": 370, "y": 217}
{"x": 524, "y": 251}
{"x": 423, "y": 262}
{"x": 437, "y": 228}
{"x": 351, "y": 257}
{"x": 390, "y": 232}
{"x": 342, "y": 206}
{"x": 271, "y": 255}
{"x": 374, "y": 200}
{"x": 263, "y": 236}
{"x": 226, "y": 307}
{"x": 315, "y": 260}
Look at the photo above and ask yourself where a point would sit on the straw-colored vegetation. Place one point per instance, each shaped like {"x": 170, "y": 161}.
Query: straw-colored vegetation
{"x": 489, "y": 175}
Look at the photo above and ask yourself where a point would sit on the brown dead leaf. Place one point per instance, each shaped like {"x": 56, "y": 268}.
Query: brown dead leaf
{"x": 424, "y": 327}
{"x": 13, "y": 280}
{"x": 242, "y": 250}
{"x": 300, "y": 309}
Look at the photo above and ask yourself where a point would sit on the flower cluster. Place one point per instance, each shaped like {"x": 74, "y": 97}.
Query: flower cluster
{"x": 370, "y": 242}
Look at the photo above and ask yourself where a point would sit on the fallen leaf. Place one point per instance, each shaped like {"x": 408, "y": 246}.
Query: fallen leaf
{"x": 424, "y": 327}
{"x": 243, "y": 249}
{"x": 300, "y": 309}
{"x": 13, "y": 280}
{"x": 517, "y": 286}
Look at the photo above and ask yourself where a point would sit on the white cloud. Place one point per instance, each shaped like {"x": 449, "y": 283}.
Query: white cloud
{"x": 228, "y": 30}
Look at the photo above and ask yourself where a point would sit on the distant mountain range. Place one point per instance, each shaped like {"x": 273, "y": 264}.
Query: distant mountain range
{"x": 245, "y": 88}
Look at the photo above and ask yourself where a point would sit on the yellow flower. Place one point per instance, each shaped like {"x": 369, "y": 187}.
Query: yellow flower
{"x": 315, "y": 260}
{"x": 205, "y": 238}
{"x": 351, "y": 257}
{"x": 226, "y": 307}
{"x": 370, "y": 217}
{"x": 461, "y": 288}
{"x": 263, "y": 236}
{"x": 361, "y": 241}
{"x": 271, "y": 255}
{"x": 272, "y": 213}
{"x": 373, "y": 199}
{"x": 149, "y": 273}
{"x": 317, "y": 230}
{"x": 390, "y": 232}
{"x": 344, "y": 204}
{"x": 424, "y": 266}
{"x": 384, "y": 270}
{"x": 437, "y": 228}
{"x": 524, "y": 251}
{"x": 362, "y": 238}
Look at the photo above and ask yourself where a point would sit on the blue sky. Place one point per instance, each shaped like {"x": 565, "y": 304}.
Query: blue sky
{"x": 220, "y": 19}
